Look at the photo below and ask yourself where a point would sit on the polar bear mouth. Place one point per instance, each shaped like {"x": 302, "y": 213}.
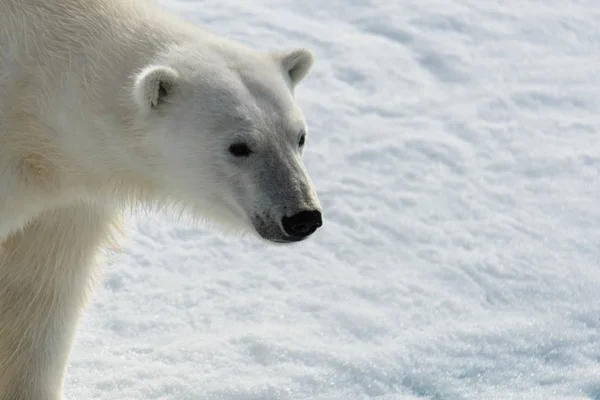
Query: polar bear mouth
{"x": 273, "y": 232}
{"x": 281, "y": 238}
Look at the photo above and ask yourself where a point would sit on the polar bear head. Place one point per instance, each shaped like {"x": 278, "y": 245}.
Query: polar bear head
{"x": 227, "y": 135}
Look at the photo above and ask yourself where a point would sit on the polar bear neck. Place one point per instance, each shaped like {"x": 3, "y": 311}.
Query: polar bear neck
{"x": 63, "y": 67}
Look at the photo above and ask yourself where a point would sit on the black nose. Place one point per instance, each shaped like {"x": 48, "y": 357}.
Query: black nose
{"x": 303, "y": 223}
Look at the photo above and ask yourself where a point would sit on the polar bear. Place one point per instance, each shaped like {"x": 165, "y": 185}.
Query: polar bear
{"x": 109, "y": 103}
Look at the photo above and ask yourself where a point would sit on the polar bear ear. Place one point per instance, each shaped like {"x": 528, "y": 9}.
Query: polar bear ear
{"x": 296, "y": 63}
{"x": 153, "y": 85}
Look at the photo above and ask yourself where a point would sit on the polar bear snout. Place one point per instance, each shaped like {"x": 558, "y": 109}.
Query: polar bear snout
{"x": 302, "y": 224}
{"x": 288, "y": 229}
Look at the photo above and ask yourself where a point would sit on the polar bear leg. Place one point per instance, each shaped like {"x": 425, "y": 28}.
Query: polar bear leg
{"x": 46, "y": 272}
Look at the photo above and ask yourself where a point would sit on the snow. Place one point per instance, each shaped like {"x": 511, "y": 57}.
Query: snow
{"x": 455, "y": 149}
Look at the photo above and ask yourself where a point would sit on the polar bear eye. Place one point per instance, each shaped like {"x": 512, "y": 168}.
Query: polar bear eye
{"x": 240, "y": 150}
{"x": 302, "y": 139}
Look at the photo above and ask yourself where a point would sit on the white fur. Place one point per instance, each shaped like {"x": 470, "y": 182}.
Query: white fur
{"x": 108, "y": 103}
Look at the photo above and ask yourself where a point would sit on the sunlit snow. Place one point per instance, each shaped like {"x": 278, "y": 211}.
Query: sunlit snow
{"x": 455, "y": 148}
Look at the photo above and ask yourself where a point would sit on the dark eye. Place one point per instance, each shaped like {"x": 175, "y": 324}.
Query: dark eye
{"x": 302, "y": 140}
{"x": 240, "y": 150}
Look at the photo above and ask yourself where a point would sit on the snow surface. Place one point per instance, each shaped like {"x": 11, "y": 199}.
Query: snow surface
{"x": 455, "y": 149}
